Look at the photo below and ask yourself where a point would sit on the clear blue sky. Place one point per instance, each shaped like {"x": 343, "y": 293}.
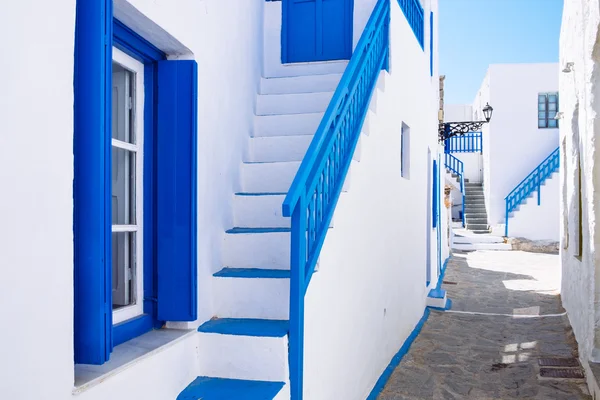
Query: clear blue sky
{"x": 476, "y": 33}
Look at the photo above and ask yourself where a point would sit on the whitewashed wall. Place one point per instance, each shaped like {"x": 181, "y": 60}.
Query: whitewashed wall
{"x": 579, "y": 133}
{"x": 513, "y": 144}
{"x": 373, "y": 261}
{"x": 538, "y": 222}
{"x": 36, "y": 160}
{"x": 458, "y": 112}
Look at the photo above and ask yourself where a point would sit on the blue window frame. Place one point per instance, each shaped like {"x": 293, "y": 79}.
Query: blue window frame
{"x": 547, "y": 110}
{"x": 169, "y": 217}
{"x": 436, "y": 195}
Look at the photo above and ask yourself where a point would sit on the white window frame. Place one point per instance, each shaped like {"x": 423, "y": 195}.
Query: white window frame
{"x": 133, "y": 65}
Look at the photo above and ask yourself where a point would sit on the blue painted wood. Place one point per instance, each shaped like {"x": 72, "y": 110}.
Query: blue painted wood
{"x": 176, "y": 190}
{"x": 435, "y": 191}
{"x": 205, "y": 388}
{"x": 431, "y": 43}
{"x": 133, "y": 44}
{"x": 257, "y": 230}
{"x": 91, "y": 185}
{"x": 530, "y": 183}
{"x": 471, "y": 142}
{"x": 130, "y": 329}
{"x": 246, "y": 327}
{"x": 415, "y": 15}
{"x": 253, "y": 273}
{"x": 316, "y": 30}
{"x": 317, "y": 185}
{"x": 437, "y": 293}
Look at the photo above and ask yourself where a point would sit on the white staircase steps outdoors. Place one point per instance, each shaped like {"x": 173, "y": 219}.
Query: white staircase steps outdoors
{"x": 475, "y": 213}
{"x": 466, "y": 240}
{"x": 244, "y": 348}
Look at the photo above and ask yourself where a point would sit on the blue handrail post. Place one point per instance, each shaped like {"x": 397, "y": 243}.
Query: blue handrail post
{"x": 506, "y": 221}
{"x": 539, "y": 189}
{"x": 297, "y": 291}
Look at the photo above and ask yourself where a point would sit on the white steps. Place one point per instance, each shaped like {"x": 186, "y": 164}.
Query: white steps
{"x": 257, "y": 248}
{"x": 300, "y": 84}
{"x": 283, "y": 148}
{"x": 287, "y": 124}
{"x": 299, "y": 103}
{"x": 467, "y": 241}
{"x": 481, "y": 246}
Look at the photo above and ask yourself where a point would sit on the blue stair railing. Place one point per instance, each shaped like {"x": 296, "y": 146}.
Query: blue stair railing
{"x": 414, "y": 13}
{"x": 471, "y": 142}
{"x": 315, "y": 190}
{"x": 532, "y": 182}
{"x": 457, "y": 167}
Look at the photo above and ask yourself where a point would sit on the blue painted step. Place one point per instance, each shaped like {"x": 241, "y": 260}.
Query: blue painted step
{"x": 257, "y": 230}
{"x": 204, "y": 388}
{"x": 253, "y": 273}
{"x": 246, "y": 327}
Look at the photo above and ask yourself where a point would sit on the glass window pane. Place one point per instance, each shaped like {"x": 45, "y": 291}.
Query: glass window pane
{"x": 123, "y": 269}
{"x": 552, "y": 106}
{"x": 541, "y": 115}
{"x": 542, "y": 106}
{"x": 552, "y": 123}
{"x": 541, "y": 123}
{"x": 123, "y": 187}
{"x": 542, "y": 98}
{"x": 122, "y": 104}
{"x": 552, "y": 98}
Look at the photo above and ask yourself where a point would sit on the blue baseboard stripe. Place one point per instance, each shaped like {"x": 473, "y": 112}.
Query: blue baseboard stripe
{"x": 398, "y": 357}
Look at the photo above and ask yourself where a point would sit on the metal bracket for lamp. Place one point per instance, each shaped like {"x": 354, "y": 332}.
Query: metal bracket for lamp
{"x": 447, "y": 130}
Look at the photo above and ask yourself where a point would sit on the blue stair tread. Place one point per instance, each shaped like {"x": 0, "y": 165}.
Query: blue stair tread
{"x": 437, "y": 293}
{"x": 260, "y": 194}
{"x": 253, "y": 273}
{"x": 257, "y": 230}
{"x": 246, "y": 327}
{"x": 205, "y": 388}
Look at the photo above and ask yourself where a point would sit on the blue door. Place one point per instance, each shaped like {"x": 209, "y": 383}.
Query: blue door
{"x": 316, "y": 30}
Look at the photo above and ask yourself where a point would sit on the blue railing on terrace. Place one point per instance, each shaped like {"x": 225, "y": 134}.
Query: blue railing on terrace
{"x": 532, "y": 182}
{"x": 414, "y": 13}
{"x": 471, "y": 142}
{"x": 457, "y": 167}
{"x": 315, "y": 190}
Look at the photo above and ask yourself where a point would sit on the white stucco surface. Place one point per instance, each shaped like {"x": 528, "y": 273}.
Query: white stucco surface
{"x": 579, "y": 132}
{"x": 370, "y": 288}
{"x": 538, "y": 222}
{"x": 373, "y": 261}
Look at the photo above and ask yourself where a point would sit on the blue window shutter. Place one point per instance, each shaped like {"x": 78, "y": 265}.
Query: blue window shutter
{"x": 92, "y": 184}
{"x": 431, "y": 43}
{"x": 434, "y": 192}
{"x": 176, "y": 190}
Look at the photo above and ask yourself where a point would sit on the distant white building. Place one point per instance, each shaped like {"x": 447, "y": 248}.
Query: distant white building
{"x": 175, "y": 171}
{"x": 516, "y": 156}
{"x": 579, "y": 182}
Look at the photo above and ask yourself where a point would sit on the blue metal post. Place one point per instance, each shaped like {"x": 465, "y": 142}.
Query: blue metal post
{"x": 506, "y": 219}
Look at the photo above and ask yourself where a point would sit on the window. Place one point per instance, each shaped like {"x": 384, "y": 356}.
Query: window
{"x": 405, "y": 151}
{"x": 436, "y": 194}
{"x": 547, "y": 109}
{"x": 134, "y": 223}
{"x": 431, "y": 43}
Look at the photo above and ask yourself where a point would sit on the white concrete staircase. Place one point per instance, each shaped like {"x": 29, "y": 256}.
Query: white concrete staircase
{"x": 247, "y": 341}
{"x": 466, "y": 240}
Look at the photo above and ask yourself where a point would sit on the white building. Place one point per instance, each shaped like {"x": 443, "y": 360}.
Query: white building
{"x": 144, "y": 249}
{"x": 579, "y": 215}
{"x": 518, "y": 149}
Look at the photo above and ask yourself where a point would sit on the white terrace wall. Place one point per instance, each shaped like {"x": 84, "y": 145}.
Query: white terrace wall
{"x": 370, "y": 289}
{"x": 580, "y": 132}
{"x": 36, "y": 160}
{"x": 513, "y": 144}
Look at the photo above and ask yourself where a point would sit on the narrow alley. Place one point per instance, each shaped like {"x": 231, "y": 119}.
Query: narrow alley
{"x": 506, "y": 318}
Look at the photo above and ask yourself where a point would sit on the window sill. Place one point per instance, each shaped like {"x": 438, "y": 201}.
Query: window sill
{"x": 126, "y": 355}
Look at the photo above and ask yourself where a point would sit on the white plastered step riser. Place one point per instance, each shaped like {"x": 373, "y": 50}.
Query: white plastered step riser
{"x": 482, "y": 239}
{"x": 286, "y": 124}
{"x": 284, "y": 148}
{"x": 482, "y": 246}
{"x": 243, "y": 357}
{"x": 258, "y": 298}
{"x": 257, "y": 250}
{"x": 300, "y": 84}
{"x": 296, "y": 103}
{"x": 437, "y": 302}
{"x": 260, "y": 212}
{"x": 274, "y": 177}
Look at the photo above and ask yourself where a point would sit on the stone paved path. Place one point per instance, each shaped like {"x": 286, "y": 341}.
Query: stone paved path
{"x": 467, "y": 353}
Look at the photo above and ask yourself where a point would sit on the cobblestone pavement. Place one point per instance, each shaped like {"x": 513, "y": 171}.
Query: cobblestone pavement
{"x": 466, "y": 353}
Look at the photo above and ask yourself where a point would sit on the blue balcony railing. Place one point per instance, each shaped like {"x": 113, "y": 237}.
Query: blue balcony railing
{"x": 532, "y": 182}
{"x": 415, "y": 15}
{"x": 471, "y": 142}
{"x": 315, "y": 190}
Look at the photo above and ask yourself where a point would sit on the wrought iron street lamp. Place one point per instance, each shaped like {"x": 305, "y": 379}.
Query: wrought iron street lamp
{"x": 448, "y": 129}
